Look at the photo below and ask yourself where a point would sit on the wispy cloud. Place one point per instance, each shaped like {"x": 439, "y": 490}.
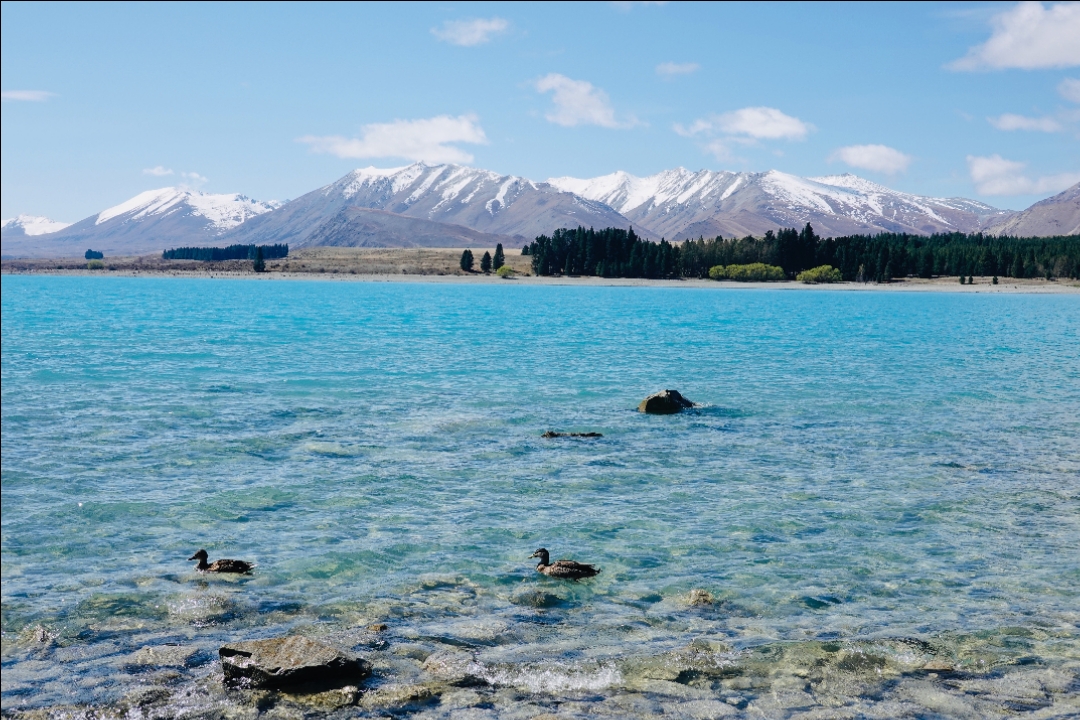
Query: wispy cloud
{"x": 1069, "y": 88}
{"x": 468, "y": 33}
{"x": 158, "y": 171}
{"x": 26, "y": 95}
{"x": 1028, "y": 36}
{"x": 1008, "y": 121}
{"x": 994, "y": 175}
{"x": 672, "y": 69}
{"x": 579, "y": 102}
{"x": 876, "y": 158}
{"x": 757, "y": 123}
{"x": 627, "y": 5}
{"x": 193, "y": 180}
{"x": 427, "y": 140}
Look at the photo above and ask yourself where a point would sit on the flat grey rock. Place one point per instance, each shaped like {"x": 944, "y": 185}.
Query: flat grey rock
{"x": 289, "y": 661}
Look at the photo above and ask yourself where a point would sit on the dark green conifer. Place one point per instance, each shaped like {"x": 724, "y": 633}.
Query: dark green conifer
{"x": 258, "y": 264}
{"x": 485, "y": 262}
{"x": 467, "y": 261}
{"x": 500, "y": 258}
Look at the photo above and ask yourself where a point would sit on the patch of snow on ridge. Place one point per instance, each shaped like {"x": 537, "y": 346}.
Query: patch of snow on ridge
{"x": 151, "y": 202}
{"x": 500, "y": 197}
{"x": 802, "y": 192}
{"x": 33, "y": 225}
{"x": 227, "y": 211}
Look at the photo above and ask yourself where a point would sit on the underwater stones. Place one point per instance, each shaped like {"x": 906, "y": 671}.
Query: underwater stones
{"x": 289, "y": 661}
{"x": 378, "y": 627}
{"x": 699, "y": 598}
{"x": 455, "y": 667}
{"x": 665, "y": 402}
{"x": 164, "y": 655}
{"x": 399, "y": 697}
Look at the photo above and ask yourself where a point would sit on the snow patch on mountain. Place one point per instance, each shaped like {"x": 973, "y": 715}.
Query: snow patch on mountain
{"x": 31, "y": 225}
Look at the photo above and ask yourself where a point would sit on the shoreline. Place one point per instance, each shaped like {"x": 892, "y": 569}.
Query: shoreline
{"x": 944, "y": 285}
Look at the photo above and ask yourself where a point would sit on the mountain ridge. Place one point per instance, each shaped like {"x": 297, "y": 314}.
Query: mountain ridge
{"x": 151, "y": 221}
{"x": 421, "y": 205}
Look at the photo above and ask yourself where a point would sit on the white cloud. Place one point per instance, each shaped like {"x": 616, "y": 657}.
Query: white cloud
{"x": 468, "y": 33}
{"x": 578, "y": 102}
{"x": 627, "y": 5}
{"x": 719, "y": 150}
{"x": 671, "y": 69}
{"x": 425, "y": 140}
{"x": 876, "y": 158}
{"x": 995, "y": 175}
{"x": 1008, "y": 121}
{"x": 1069, "y": 88}
{"x": 1028, "y": 36}
{"x": 758, "y": 123}
{"x": 27, "y": 95}
{"x": 194, "y": 178}
{"x": 158, "y": 171}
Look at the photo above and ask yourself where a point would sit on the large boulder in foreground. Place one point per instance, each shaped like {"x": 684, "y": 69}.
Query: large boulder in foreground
{"x": 289, "y": 661}
{"x": 665, "y": 402}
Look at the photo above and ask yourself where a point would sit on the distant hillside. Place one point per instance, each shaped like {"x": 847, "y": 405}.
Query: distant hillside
{"x": 512, "y": 207}
{"x": 149, "y": 222}
{"x": 1057, "y": 215}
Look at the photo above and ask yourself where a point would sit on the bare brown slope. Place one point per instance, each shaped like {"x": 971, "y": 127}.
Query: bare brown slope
{"x": 1057, "y": 215}
{"x": 366, "y": 227}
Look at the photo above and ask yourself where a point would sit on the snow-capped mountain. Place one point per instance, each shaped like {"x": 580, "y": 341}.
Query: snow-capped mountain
{"x": 679, "y": 204}
{"x": 149, "y": 222}
{"x": 1057, "y": 215}
{"x": 499, "y": 205}
{"x": 30, "y": 225}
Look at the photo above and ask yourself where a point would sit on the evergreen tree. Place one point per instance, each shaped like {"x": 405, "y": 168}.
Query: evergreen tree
{"x": 258, "y": 264}
{"x": 500, "y": 258}
{"x": 485, "y": 262}
{"x": 467, "y": 261}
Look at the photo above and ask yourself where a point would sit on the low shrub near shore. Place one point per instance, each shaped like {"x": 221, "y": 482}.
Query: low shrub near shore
{"x": 820, "y": 274}
{"x": 754, "y": 272}
{"x": 95, "y": 264}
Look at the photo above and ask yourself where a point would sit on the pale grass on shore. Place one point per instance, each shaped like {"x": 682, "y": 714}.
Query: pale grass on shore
{"x": 441, "y": 265}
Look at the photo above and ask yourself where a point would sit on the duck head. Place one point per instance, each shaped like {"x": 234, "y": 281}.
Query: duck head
{"x": 201, "y": 556}
{"x": 542, "y": 553}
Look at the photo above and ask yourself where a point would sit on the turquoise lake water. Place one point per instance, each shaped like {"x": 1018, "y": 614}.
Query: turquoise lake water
{"x": 880, "y": 492}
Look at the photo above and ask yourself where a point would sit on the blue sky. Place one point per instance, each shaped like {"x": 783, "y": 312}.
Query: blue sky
{"x": 104, "y": 101}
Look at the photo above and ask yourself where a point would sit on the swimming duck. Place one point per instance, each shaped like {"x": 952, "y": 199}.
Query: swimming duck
{"x": 563, "y": 569}
{"x": 220, "y": 566}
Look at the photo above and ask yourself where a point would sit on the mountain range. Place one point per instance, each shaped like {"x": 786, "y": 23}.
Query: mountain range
{"x": 458, "y": 206}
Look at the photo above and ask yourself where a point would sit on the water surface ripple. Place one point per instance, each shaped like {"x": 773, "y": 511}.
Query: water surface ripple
{"x": 880, "y": 493}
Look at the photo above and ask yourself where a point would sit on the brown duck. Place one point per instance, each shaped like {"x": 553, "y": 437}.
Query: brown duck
{"x": 563, "y": 569}
{"x": 220, "y": 566}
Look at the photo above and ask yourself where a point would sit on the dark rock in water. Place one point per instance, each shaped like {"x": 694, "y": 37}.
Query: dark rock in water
{"x": 665, "y": 402}
{"x": 289, "y": 661}
{"x": 553, "y": 434}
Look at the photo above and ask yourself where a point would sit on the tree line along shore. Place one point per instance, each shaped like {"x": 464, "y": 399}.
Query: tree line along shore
{"x": 617, "y": 253}
{"x": 614, "y": 252}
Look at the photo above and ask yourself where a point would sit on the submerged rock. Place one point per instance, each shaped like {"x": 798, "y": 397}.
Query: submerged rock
{"x": 699, "y": 598}
{"x": 665, "y": 402}
{"x": 454, "y": 667}
{"x": 552, "y": 434}
{"x": 289, "y": 661}
{"x": 165, "y": 655}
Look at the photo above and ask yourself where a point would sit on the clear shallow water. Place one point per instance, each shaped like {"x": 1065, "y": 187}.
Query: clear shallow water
{"x": 875, "y": 482}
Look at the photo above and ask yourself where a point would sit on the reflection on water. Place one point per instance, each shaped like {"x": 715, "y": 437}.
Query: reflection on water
{"x": 874, "y": 513}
